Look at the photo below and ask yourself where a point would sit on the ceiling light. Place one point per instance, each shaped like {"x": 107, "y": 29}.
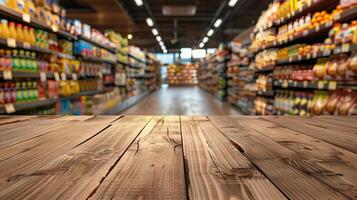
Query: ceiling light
{"x": 158, "y": 38}
{"x": 154, "y": 31}
{"x": 165, "y": 51}
{"x": 130, "y": 36}
{"x": 161, "y": 43}
{"x": 149, "y": 22}
{"x": 210, "y": 32}
{"x": 232, "y": 3}
{"x": 201, "y": 45}
{"x": 139, "y": 2}
{"x": 205, "y": 40}
{"x": 217, "y": 23}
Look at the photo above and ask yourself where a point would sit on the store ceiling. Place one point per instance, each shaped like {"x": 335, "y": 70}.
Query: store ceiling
{"x": 176, "y": 31}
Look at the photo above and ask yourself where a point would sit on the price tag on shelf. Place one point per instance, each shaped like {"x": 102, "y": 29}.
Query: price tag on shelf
{"x": 327, "y": 52}
{"x": 9, "y": 108}
{"x": 74, "y": 77}
{"x": 100, "y": 75}
{"x": 345, "y": 48}
{"x": 332, "y": 85}
{"x": 295, "y": 83}
{"x": 320, "y": 85}
{"x": 304, "y": 84}
{"x": 299, "y": 57}
{"x": 57, "y": 76}
{"x": 26, "y": 18}
{"x": 7, "y": 75}
{"x": 337, "y": 17}
{"x": 308, "y": 56}
{"x": 43, "y": 76}
{"x": 314, "y": 55}
{"x": 26, "y": 45}
{"x": 285, "y": 84}
{"x": 290, "y": 59}
{"x": 317, "y": 28}
{"x": 305, "y": 33}
{"x": 63, "y": 76}
{"x": 11, "y": 42}
{"x": 54, "y": 28}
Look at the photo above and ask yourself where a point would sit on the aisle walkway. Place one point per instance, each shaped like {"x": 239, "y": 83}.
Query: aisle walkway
{"x": 181, "y": 101}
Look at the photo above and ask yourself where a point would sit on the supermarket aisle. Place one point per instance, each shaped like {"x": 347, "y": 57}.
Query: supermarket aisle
{"x": 181, "y": 101}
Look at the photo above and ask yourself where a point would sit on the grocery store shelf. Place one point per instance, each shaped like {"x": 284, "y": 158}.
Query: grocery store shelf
{"x": 136, "y": 58}
{"x": 126, "y": 104}
{"x": 315, "y": 7}
{"x": 347, "y": 15}
{"x": 17, "y": 16}
{"x": 111, "y": 49}
{"x": 21, "y": 45}
{"x": 129, "y": 65}
{"x": 92, "y": 59}
{"x": 28, "y": 105}
{"x": 313, "y": 85}
{"x": 266, "y": 94}
{"x": 265, "y": 70}
{"x": 345, "y": 48}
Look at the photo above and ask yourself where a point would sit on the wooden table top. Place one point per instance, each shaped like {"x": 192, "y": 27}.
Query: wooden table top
{"x": 178, "y": 157}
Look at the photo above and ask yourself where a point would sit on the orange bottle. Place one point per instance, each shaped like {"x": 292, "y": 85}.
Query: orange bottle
{"x": 20, "y": 33}
{"x": 27, "y": 36}
{"x": 12, "y": 31}
{"x": 4, "y": 29}
{"x": 32, "y": 36}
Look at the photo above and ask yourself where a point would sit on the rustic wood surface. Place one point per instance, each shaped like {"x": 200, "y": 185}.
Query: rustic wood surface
{"x": 178, "y": 157}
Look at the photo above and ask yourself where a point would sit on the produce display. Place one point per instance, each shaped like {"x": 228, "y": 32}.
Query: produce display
{"x": 182, "y": 74}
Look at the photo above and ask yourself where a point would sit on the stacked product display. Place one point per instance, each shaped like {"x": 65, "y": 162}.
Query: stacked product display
{"x": 305, "y": 58}
{"x": 212, "y": 72}
{"x": 241, "y": 78}
{"x": 182, "y": 74}
{"x": 54, "y": 65}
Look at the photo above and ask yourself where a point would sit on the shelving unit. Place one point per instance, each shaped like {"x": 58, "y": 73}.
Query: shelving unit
{"x": 147, "y": 82}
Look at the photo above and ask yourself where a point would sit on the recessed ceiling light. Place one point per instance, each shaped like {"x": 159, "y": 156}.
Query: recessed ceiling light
{"x": 158, "y": 38}
{"x": 210, "y": 32}
{"x": 161, "y": 43}
{"x": 130, "y": 36}
{"x": 154, "y": 31}
{"x": 165, "y": 51}
{"x": 201, "y": 45}
{"x": 139, "y": 2}
{"x": 217, "y": 23}
{"x": 149, "y": 22}
{"x": 205, "y": 40}
{"x": 232, "y": 3}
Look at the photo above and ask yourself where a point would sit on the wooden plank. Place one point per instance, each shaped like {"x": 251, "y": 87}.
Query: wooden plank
{"x": 152, "y": 167}
{"x": 343, "y": 139}
{"x": 328, "y": 163}
{"x": 37, "y": 152}
{"x": 5, "y": 119}
{"x": 77, "y": 173}
{"x": 217, "y": 169}
{"x": 340, "y": 121}
{"x": 294, "y": 183}
{"x": 14, "y": 133}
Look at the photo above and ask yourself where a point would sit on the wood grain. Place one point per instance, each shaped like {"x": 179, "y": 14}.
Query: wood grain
{"x": 152, "y": 167}
{"x": 328, "y": 163}
{"x": 264, "y": 153}
{"x": 343, "y": 139}
{"x": 35, "y": 153}
{"x": 77, "y": 173}
{"x": 217, "y": 169}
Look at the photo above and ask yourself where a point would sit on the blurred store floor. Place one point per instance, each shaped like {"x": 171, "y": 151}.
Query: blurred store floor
{"x": 181, "y": 101}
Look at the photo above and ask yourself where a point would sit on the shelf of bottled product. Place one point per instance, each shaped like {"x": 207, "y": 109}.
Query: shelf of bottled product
{"x": 340, "y": 49}
{"x": 126, "y": 104}
{"x": 4, "y": 109}
{"x": 269, "y": 93}
{"x": 302, "y": 11}
{"x": 26, "y": 46}
{"x": 28, "y": 20}
{"x": 313, "y": 85}
{"x": 42, "y": 75}
{"x": 311, "y": 34}
{"x": 95, "y": 59}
